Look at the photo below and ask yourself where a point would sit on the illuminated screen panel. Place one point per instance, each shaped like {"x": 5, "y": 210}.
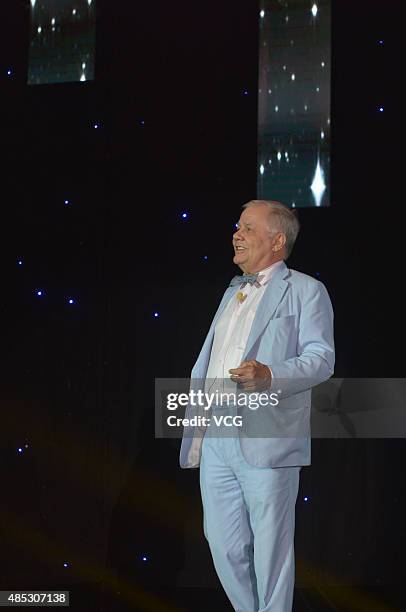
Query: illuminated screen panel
{"x": 294, "y": 102}
{"x": 62, "y": 41}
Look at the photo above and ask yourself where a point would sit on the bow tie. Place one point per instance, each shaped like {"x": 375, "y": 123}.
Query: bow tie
{"x": 252, "y": 279}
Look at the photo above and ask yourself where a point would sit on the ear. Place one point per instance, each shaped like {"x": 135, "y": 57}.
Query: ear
{"x": 279, "y": 242}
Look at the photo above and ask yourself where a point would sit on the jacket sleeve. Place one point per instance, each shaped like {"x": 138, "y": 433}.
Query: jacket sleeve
{"x": 315, "y": 358}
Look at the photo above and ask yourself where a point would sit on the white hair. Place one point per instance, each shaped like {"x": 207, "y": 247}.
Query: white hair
{"x": 283, "y": 220}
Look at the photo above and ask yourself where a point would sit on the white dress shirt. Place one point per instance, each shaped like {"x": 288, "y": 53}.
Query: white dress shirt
{"x": 232, "y": 332}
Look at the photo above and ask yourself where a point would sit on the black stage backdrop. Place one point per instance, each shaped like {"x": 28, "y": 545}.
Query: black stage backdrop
{"x": 92, "y": 497}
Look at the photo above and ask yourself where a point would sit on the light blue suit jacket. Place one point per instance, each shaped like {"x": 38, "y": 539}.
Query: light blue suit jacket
{"x": 292, "y": 332}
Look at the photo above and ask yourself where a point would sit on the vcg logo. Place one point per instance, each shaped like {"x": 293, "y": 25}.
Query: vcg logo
{"x": 227, "y": 420}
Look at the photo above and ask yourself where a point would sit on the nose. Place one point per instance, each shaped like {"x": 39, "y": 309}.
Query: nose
{"x": 238, "y": 235}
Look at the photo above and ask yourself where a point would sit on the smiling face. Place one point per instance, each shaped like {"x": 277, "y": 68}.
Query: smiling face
{"x": 257, "y": 244}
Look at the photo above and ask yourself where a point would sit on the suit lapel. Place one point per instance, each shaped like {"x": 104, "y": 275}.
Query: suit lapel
{"x": 274, "y": 292}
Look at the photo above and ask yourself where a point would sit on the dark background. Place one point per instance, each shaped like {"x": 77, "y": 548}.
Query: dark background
{"x": 92, "y": 487}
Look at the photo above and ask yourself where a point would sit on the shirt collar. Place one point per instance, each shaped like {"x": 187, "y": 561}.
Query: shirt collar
{"x": 264, "y": 275}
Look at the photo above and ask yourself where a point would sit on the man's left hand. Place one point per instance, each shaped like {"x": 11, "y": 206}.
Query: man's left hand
{"x": 252, "y": 375}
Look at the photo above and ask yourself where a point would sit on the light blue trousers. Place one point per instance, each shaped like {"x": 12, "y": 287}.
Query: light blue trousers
{"x": 249, "y": 522}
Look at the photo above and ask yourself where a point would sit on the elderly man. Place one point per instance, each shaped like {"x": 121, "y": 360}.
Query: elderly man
{"x": 273, "y": 330}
